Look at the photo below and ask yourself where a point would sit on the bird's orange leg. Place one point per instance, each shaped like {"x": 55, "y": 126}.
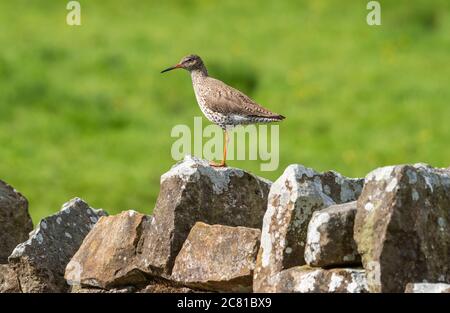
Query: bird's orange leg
{"x": 222, "y": 164}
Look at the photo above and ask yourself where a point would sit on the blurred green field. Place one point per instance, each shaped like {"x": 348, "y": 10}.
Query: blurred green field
{"x": 84, "y": 111}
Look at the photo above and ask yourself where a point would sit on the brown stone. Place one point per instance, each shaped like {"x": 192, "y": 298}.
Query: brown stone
{"x": 154, "y": 285}
{"x": 9, "y": 282}
{"x": 193, "y": 191}
{"x": 15, "y": 221}
{"x": 161, "y": 288}
{"x": 293, "y": 198}
{"x": 110, "y": 254}
{"x": 304, "y": 279}
{"x": 330, "y": 237}
{"x": 40, "y": 261}
{"x": 402, "y": 226}
{"x": 80, "y": 289}
{"x": 218, "y": 258}
{"x": 159, "y": 285}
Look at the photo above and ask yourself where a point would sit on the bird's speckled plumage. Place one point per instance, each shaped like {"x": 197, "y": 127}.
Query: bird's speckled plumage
{"x": 220, "y": 103}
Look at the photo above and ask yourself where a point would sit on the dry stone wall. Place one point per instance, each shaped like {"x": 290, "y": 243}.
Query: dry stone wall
{"x": 227, "y": 230}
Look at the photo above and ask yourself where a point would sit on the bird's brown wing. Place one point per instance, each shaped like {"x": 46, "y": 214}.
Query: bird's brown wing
{"x": 228, "y": 100}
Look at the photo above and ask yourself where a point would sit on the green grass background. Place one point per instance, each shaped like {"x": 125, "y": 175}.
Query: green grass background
{"x": 84, "y": 111}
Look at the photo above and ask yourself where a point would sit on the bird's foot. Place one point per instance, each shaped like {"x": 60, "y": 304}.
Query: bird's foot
{"x": 214, "y": 164}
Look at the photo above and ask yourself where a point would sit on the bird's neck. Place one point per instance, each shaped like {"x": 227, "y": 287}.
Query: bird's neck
{"x": 199, "y": 74}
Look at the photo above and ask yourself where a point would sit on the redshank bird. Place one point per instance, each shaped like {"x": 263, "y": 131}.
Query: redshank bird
{"x": 223, "y": 105}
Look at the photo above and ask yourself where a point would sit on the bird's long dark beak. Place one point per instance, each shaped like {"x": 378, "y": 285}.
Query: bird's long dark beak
{"x": 171, "y": 68}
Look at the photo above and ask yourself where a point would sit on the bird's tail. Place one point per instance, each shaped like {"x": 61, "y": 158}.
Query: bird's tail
{"x": 268, "y": 119}
{"x": 276, "y": 117}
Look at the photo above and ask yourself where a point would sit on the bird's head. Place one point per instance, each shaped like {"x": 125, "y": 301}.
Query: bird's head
{"x": 190, "y": 62}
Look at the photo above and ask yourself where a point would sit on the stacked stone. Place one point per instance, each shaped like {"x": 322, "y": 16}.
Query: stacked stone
{"x": 226, "y": 230}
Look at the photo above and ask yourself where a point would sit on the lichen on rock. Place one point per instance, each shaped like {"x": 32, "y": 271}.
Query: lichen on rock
{"x": 293, "y": 198}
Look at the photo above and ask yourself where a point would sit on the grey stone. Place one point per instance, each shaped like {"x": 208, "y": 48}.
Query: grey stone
{"x": 193, "y": 191}
{"x": 40, "y": 261}
{"x": 427, "y": 288}
{"x": 304, "y": 279}
{"x": 402, "y": 226}
{"x": 293, "y": 198}
{"x": 15, "y": 221}
{"x": 330, "y": 237}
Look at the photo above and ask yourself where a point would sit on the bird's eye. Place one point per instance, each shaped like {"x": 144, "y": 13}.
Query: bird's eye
{"x": 189, "y": 60}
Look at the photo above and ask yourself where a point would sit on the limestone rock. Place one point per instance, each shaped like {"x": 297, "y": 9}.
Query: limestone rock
{"x": 15, "y": 221}
{"x": 193, "y": 191}
{"x": 218, "y": 258}
{"x": 110, "y": 254}
{"x": 40, "y": 261}
{"x": 304, "y": 279}
{"x": 330, "y": 240}
{"x": 9, "y": 283}
{"x": 293, "y": 198}
{"x": 427, "y": 288}
{"x": 402, "y": 226}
